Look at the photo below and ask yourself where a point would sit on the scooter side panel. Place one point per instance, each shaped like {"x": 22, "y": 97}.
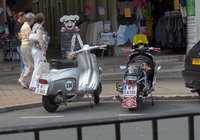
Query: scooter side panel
{"x": 84, "y": 72}
{"x": 95, "y": 77}
{"x": 64, "y": 81}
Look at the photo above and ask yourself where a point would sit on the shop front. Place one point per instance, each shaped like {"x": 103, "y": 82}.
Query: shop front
{"x": 96, "y": 16}
{"x": 115, "y": 22}
{"x": 8, "y": 10}
{"x": 164, "y": 22}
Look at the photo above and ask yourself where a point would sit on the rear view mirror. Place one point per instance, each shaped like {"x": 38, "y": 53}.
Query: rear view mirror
{"x": 158, "y": 67}
{"x": 122, "y": 67}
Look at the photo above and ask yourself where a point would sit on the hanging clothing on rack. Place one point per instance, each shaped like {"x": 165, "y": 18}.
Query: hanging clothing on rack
{"x": 93, "y": 31}
{"x": 125, "y": 33}
{"x": 120, "y": 35}
{"x": 149, "y": 27}
{"x": 170, "y": 30}
{"x": 130, "y": 32}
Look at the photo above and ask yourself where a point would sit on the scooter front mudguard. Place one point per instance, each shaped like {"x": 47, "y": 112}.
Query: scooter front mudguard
{"x": 89, "y": 73}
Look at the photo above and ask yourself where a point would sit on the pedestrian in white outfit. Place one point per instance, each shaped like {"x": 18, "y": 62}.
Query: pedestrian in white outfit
{"x": 39, "y": 48}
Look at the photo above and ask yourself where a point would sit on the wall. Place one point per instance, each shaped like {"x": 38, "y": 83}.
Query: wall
{"x": 112, "y": 13}
{"x": 22, "y": 5}
{"x": 197, "y": 12}
{"x": 3, "y": 15}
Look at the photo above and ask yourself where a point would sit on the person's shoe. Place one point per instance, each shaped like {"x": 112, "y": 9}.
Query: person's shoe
{"x": 19, "y": 80}
{"x": 23, "y": 84}
{"x": 32, "y": 89}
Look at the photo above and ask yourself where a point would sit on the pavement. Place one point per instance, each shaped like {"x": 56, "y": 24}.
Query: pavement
{"x": 14, "y": 97}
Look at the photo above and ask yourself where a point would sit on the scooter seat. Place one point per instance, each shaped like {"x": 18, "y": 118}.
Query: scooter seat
{"x": 63, "y": 63}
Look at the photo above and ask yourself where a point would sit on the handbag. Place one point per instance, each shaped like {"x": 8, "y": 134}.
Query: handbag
{"x": 33, "y": 37}
{"x": 41, "y": 71}
{"x": 42, "y": 68}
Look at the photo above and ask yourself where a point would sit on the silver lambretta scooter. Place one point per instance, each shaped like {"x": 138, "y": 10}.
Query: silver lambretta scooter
{"x": 69, "y": 84}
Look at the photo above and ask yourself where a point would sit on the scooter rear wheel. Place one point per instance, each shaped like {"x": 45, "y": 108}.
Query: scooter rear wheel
{"x": 49, "y": 104}
{"x": 131, "y": 109}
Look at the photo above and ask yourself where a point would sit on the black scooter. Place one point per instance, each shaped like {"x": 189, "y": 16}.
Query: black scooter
{"x": 140, "y": 75}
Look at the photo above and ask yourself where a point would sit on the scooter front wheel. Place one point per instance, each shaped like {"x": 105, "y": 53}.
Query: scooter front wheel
{"x": 49, "y": 104}
{"x": 96, "y": 97}
{"x": 96, "y": 94}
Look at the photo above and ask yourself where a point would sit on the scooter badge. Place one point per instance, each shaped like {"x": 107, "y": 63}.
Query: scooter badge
{"x": 69, "y": 85}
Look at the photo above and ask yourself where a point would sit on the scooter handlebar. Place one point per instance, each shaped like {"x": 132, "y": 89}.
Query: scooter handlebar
{"x": 97, "y": 47}
{"x": 128, "y": 51}
{"x": 85, "y": 49}
{"x": 155, "y": 49}
{"x": 88, "y": 48}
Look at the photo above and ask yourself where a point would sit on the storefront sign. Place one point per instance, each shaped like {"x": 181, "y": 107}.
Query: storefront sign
{"x": 190, "y": 7}
{"x": 191, "y": 32}
{"x": 127, "y": 12}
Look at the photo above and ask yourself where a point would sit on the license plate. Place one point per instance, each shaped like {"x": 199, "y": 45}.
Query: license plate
{"x": 129, "y": 90}
{"x": 196, "y": 61}
{"x": 42, "y": 89}
{"x": 129, "y": 102}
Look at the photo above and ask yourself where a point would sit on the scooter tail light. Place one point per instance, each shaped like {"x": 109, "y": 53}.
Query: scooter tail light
{"x": 130, "y": 82}
{"x": 43, "y": 81}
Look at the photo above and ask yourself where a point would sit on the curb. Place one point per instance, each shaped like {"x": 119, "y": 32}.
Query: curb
{"x": 10, "y": 108}
{"x": 157, "y": 78}
{"x": 5, "y": 109}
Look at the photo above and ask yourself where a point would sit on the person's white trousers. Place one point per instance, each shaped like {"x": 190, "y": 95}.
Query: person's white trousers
{"x": 37, "y": 56}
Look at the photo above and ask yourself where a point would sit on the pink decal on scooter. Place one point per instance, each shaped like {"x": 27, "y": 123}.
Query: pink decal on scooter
{"x": 129, "y": 102}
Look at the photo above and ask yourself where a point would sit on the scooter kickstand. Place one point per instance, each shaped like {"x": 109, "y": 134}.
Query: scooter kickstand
{"x": 152, "y": 101}
{"x": 65, "y": 103}
{"x": 117, "y": 97}
{"x": 91, "y": 105}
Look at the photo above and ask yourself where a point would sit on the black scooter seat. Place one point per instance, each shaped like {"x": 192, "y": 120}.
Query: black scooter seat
{"x": 63, "y": 63}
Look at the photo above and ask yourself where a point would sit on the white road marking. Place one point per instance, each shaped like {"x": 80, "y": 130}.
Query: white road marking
{"x": 40, "y": 117}
{"x": 130, "y": 114}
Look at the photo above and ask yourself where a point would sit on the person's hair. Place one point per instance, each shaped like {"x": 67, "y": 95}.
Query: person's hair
{"x": 39, "y": 18}
{"x": 20, "y": 14}
{"x": 29, "y": 16}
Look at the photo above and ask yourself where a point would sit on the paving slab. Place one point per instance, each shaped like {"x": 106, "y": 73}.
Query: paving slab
{"x": 13, "y": 96}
